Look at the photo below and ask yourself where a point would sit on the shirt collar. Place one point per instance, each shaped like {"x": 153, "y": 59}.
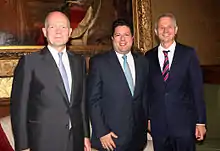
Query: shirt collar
{"x": 54, "y": 51}
{"x": 119, "y": 55}
{"x": 171, "y": 48}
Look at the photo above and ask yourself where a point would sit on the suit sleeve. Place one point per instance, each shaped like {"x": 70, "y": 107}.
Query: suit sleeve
{"x": 19, "y": 103}
{"x": 94, "y": 98}
{"x": 84, "y": 105}
{"x": 145, "y": 94}
{"x": 147, "y": 88}
{"x": 196, "y": 80}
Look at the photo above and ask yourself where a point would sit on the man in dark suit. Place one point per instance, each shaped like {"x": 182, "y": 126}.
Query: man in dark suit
{"x": 116, "y": 84}
{"x": 176, "y": 106}
{"x": 48, "y": 95}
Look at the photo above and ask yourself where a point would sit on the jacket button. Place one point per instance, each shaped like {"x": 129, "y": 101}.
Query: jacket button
{"x": 67, "y": 126}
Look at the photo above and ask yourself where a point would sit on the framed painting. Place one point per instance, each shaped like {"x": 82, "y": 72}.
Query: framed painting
{"x": 91, "y": 20}
{"x": 20, "y": 29}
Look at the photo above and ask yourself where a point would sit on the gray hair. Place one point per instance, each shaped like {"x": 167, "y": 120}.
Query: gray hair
{"x": 170, "y": 15}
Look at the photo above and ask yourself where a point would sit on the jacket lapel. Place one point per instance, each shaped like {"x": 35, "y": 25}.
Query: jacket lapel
{"x": 138, "y": 74}
{"x": 73, "y": 69}
{"x": 157, "y": 69}
{"x": 53, "y": 70}
{"x": 115, "y": 63}
{"x": 174, "y": 65}
{"x": 118, "y": 69}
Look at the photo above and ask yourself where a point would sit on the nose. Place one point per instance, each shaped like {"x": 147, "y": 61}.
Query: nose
{"x": 166, "y": 30}
{"x": 122, "y": 37}
{"x": 58, "y": 30}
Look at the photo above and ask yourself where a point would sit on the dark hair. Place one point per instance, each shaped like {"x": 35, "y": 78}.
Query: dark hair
{"x": 121, "y": 22}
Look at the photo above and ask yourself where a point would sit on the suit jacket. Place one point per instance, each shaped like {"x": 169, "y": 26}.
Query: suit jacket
{"x": 40, "y": 109}
{"x": 177, "y": 105}
{"x": 111, "y": 104}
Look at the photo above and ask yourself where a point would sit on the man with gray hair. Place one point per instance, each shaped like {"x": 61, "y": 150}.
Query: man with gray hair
{"x": 176, "y": 106}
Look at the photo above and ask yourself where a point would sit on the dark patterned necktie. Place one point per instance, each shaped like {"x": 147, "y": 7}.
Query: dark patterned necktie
{"x": 166, "y": 68}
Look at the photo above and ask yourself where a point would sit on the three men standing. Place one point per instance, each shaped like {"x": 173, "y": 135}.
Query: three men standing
{"x": 48, "y": 96}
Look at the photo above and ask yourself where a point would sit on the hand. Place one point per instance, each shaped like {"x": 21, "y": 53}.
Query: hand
{"x": 148, "y": 126}
{"x": 200, "y": 132}
{"x": 26, "y": 149}
{"x": 107, "y": 141}
{"x": 87, "y": 144}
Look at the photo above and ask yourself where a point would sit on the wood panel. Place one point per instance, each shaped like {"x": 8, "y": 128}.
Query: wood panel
{"x": 211, "y": 74}
{"x": 4, "y": 110}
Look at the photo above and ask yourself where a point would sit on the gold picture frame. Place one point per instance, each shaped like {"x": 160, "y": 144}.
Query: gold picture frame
{"x": 9, "y": 55}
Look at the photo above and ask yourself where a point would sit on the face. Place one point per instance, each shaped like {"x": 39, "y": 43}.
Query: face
{"x": 166, "y": 30}
{"x": 57, "y": 30}
{"x": 122, "y": 39}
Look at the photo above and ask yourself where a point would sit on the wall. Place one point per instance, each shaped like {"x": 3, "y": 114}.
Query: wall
{"x": 198, "y": 23}
{"x": 212, "y": 99}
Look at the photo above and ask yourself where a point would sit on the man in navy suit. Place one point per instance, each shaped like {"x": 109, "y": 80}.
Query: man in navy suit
{"x": 176, "y": 107}
{"x": 116, "y": 101}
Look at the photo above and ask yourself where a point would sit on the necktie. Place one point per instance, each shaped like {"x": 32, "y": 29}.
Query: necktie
{"x": 128, "y": 75}
{"x": 166, "y": 69}
{"x": 64, "y": 74}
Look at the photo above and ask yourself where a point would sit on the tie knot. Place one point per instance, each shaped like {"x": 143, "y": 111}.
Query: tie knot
{"x": 60, "y": 54}
{"x": 124, "y": 57}
{"x": 166, "y": 51}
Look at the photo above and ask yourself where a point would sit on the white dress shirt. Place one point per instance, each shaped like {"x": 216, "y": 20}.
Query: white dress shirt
{"x": 170, "y": 54}
{"x": 66, "y": 64}
{"x": 130, "y": 61}
{"x": 65, "y": 60}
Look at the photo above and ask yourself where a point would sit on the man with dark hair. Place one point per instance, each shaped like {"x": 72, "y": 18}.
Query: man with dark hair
{"x": 176, "y": 105}
{"x": 116, "y": 85}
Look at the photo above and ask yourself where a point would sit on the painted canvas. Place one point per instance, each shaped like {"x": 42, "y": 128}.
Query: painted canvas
{"x": 22, "y": 20}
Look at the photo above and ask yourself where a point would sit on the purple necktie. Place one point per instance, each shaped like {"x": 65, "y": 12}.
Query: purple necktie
{"x": 166, "y": 68}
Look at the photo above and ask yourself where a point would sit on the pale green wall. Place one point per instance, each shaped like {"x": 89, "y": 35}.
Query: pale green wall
{"x": 212, "y": 99}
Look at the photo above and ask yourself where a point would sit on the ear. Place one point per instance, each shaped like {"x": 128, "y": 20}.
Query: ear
{"x": 176, "y": 29}
{"x": 112, "y": 37}
{"x": 155, "y": 30}
{"x": 44, "y": 32}
{"x": 70, "y": 31}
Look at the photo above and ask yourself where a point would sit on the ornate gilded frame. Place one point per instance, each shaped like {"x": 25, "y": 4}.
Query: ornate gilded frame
{"x": 142, "y": 40}
{"x": 142, "y": 21}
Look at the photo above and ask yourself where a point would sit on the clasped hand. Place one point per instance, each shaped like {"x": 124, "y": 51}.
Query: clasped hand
{"x": 107, "y": 141}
